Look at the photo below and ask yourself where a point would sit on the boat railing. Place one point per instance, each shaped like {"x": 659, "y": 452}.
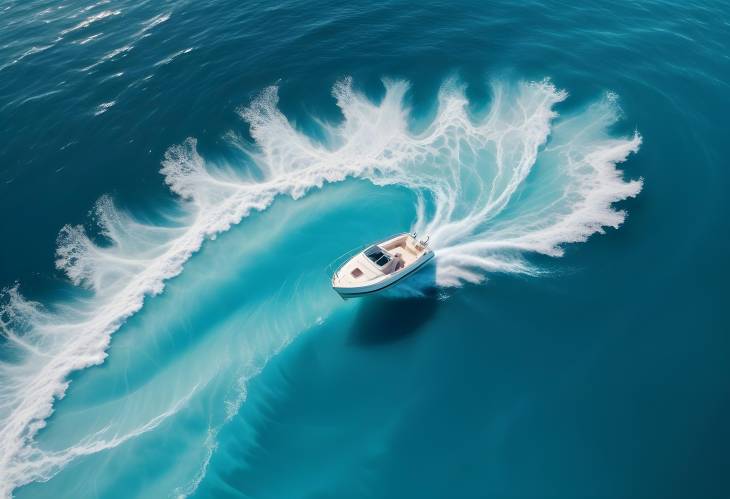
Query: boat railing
{"x": 334, "y": 266}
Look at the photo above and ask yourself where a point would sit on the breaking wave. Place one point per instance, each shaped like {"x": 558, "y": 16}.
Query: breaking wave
{"x": 491, "y": 189}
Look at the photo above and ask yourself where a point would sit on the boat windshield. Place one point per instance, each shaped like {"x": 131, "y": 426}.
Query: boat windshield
{"x": 377, "y": 256}
{"x": 383, "y": 260}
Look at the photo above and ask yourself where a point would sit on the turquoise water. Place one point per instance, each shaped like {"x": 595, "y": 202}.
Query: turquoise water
{"x": 175, "y": 177}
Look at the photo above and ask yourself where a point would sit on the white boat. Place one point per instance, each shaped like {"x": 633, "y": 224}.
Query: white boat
{"x": 381, "y": 265}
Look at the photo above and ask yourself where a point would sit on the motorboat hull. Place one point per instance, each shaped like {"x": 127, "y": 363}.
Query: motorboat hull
{"x": 350, "y": 292}
{"x": 383, "y": 282}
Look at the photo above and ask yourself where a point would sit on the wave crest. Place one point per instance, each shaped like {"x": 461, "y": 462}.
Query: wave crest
{"x": 490, "y": 190}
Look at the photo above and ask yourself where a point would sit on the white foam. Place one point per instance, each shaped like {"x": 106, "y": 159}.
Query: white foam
{"x": 155, "y": 21}
{"x": 33, "y": 50}
{"x": 233, "y": 403}
{"x": 490, "y": 190}
{"x": 89, "y": 39}
{"x": 103, "y": 107}
{"x": 93, "y": 6}
{"x": 174, "y": 56}
{"x": 43, "y": 465}
{"x": 109, "y": 56}
{"x": 141, "y": 34}
{"x": 91, "y": 20}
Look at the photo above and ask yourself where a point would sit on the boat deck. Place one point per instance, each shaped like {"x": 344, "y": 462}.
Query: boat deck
{"x": 362, "y": 271}
{"x": 408, "y": 254}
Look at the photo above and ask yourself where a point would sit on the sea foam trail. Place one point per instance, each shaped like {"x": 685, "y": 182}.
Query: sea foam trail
{"x": 490, "y": 190}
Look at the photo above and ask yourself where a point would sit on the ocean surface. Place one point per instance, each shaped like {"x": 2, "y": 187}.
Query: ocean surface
{"x": 176, "y": 177}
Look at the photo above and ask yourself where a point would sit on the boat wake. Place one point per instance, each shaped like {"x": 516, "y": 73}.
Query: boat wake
{"x": 491, "y": 189}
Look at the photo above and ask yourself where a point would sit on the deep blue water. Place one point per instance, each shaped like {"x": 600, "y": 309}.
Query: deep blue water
{"x": 175, "y": 178}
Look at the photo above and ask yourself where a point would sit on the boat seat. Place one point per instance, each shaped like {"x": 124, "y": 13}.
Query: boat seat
{"x": 396, "y": 263}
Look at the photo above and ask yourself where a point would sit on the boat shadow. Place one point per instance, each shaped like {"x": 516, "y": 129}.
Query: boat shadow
{"x": 399, "y": 313}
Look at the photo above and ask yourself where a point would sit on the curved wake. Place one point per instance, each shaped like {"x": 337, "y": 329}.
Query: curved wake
{"x": 490, "y": 190}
